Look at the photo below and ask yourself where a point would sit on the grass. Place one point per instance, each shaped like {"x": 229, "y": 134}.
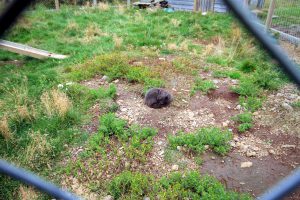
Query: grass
{"x": 195, "y": 142}
{"x": 190, "y": 185}
{"x": 202, "y": 85}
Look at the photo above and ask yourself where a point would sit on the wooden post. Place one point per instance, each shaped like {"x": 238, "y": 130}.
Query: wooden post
{"x": 57, "y": 4}
{"x": 94, "y": 3}
{"x": 196, "y": 5}
{"x": 270, "y": 14}
{"x": 128, "y": 4}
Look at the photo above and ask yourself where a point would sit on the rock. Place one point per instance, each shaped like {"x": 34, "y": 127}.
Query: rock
{"x": 238, "y": 107}
{"x": 246, "y": 164}
{"x": 215, "y": 81}
{"x": 242, "y": 183}
{"x": 146, "y": 198}
{"x": 108, "y": 197}
{"x": 232, "y": 143}
{"x": 123, "y": 109}
{"x": 179, "y": 148}
{"x": 138, "y": 63}
{"x": 104, "y": 78}
{"x": 175, "y": 167}
{"x": 287, "y": 107}
{"x": 251, "y": 154}
{"x": 288, "y": 146}
{"x": 160, "y": 143}
{"x": 224, "y": 124}
{"x": 272, "y": 151}
{"x": 161, "y": 153}
{"x": 162, "y": 59}
{"x": 116, "y": 81}
{"x": 243, "y": 147}
{"x": 213, "y": 158}
{"x": 206, "y": 147}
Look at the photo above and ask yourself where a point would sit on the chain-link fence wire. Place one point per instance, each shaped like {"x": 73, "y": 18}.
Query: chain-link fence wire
{"x": 285, "y": 17}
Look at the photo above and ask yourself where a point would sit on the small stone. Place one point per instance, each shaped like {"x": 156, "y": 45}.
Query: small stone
{"x": 272, "y": 151}
{"x": 238, "y": 107}
{"x": 175, "y": 167}
{"x": 213, "y": 158}
{"x": 161, "y": 153}
{"x": 251, "y": 154}
{"x": 244, "y": 148}
{"x": 287, "y": 107}
{"x": 108, "y": 197}
{"x": 123, "y": 109}
{"x": 288, "y": 146}
{"x": 222, "y": 161}
{"x": 162, "y": 59}
{"x": 104, "y": 78}
{"x": 224, "y": 124}
{"x": 242, "y": 183}
{"x": 160, "y": 143}
{"x": 146, "y": 198}
{"x": 246, "y": 164}
{"x": 179, "y": 148}
{"x": 215, "y": 81}
{"x": 116, "y": 81}
{"x": 206, "y": 147}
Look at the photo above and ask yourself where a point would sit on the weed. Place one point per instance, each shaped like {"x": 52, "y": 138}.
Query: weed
{"x": 234, "y": 75}
{"x": 27, "y": 193}
{"x": 217, "y": 60}
{"x": 118, "y": 41}
{"x": 247, "y": 88}
{"x": 244, "y": 120}
{"x": 220, "y": 74}
{"x": 214, "y": 137}
{"x": 191, "y": 185}
{"x": 103, "y": 6}
{"x": 247, "y": 66}
{"x": 202, "y": 85}
{"x": 130, "y": 186}
{"x": 251, "y": 104}
{"x": 296, "y": 104}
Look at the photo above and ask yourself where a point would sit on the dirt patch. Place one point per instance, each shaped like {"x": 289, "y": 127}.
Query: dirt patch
{"x": 273, "y": 153}
{"x": 292, "y": 50}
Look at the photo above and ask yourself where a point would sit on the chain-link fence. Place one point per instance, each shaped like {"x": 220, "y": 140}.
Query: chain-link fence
{"x": 282, "y": 17}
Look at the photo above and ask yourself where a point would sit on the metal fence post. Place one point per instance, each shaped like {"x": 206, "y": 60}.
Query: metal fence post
{"x": 57, "y": 4}
{"x": 270, "y": 14}
{"x": 128, "y": 3}
{"x": 94, "y": 3}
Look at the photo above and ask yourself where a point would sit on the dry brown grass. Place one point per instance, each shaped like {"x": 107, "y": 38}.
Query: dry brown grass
{"x": 121, "y": 8}
{"x": 175, "y": 22}
{"x": 37, "y": 152}
{"x": 184, "y": 46}
{"x": 92, "y": 32}
{"x": 118, "y": 41}
{"x": 27, "y": 193}
{"x": 4, "y": 128}
{"x": 72, "y": 25}
{"x": 172, "y": 46}
{"x": 56, "y": 102}
{"x": 103, "y": 6}
{"x": 23, "y": 113}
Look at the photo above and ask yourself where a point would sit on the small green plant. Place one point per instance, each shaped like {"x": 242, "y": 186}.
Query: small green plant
{"x": 129, "y": 185}
{"x": 234, "y": 75}
{"x": 296, "y": 104}
{"x": 247, "y": 88}
{"x": 244, "y": 120}
{"x": 251, "y": 104}
{"x": 190, "y": 185}
{"x": 220, "y": 74}
{"x": 202, "y": 85}
{"x": 247, "y": 66}
{"x": 217, "y": 60}
{"x": 214, "y": 137}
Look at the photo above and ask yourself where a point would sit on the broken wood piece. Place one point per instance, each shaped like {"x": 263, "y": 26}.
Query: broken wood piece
{"x": 28, "y": 51}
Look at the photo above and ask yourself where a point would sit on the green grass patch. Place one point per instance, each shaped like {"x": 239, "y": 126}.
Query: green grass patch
{"x": 202, "y": 85}
{"x": 214, "y": 137}
{"x": 244, "y": 120}
{"x": 190, "y": 185}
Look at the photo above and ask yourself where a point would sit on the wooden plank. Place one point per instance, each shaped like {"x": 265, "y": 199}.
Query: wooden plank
{"x": 28, "y": 51}
{"x": 270, "y": 14}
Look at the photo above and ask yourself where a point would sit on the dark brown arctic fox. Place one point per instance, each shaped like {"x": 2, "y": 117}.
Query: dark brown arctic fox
{"x": 157, "y": 98}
